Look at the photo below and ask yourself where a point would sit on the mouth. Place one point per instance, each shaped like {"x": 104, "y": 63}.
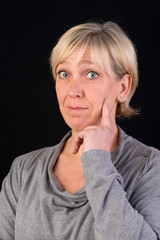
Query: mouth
{"x": 77, "y": 108}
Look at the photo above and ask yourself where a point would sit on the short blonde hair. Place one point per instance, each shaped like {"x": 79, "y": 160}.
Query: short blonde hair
{"x": 110, "y": 47}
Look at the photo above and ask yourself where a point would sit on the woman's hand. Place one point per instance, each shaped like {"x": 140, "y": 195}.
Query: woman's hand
{"x": 97, "y": 137}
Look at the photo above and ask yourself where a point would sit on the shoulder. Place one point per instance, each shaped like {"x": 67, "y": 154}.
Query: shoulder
{"x": 137, "y": 163}
{"x": 40, "y": 157}
{"x": 29, "y": 164}
{"x": 134, "y": 149}
{"x": 31, "y": 158}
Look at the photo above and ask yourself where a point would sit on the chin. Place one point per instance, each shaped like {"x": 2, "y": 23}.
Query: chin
{"x": 77, "y": 127}
{"x": 78, "y": 124}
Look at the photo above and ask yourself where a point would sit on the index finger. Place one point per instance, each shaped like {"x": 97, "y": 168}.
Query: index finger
{"x": 106, "y": 115}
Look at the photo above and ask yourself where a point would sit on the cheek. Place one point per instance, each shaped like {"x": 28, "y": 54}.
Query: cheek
{"x": 59, "y": 93}
{"x": 96, "y": 100}
{"x": 99, "y": 96}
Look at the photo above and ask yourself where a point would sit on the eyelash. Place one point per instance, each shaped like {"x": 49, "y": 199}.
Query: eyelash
{"x": 93, "y": 72}
{"x": 59, "y": 73}
{"x": 88, "y": 72}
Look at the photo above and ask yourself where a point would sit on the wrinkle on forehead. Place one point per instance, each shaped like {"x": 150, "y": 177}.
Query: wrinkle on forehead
{"x": 92, "y": 56}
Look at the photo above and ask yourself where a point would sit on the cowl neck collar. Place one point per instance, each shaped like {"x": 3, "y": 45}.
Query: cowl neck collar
{"x": 65, "y": 198}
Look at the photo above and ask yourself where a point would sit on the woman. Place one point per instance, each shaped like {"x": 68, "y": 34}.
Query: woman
{"x": 98, "y": 182}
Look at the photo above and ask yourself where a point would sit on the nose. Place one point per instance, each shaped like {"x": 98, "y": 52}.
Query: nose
{"x": 76, "y": 90}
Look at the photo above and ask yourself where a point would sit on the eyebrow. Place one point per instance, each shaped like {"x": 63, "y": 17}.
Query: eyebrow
{"x": 81, "y": 62}
{"x": 86, "y": 61}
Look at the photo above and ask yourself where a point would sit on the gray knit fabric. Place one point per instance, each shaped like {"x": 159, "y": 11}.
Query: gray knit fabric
{"x": 120, "y": 199}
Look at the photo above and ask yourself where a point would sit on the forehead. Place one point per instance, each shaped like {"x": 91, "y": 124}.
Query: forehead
{"x": 89, "y": 56}
{"x": 78, "y": 57}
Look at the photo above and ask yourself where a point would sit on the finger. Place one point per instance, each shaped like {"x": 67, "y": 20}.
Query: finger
{"x": 106, "y": 116}
{"x": 77, "y": 144}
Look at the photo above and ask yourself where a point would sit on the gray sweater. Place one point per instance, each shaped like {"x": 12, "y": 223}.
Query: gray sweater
{"x": 120, "y": 199}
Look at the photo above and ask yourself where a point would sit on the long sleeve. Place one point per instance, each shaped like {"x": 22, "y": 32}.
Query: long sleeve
{"x": 115, "y": 217}
{"x": 8, "y": 202}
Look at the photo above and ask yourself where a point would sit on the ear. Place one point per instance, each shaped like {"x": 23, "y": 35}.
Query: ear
{"x": 125, "y": 85}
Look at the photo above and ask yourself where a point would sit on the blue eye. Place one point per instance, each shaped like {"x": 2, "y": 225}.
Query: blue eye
{"x": 63, "y": 74}
{"x": 92, "y": 75}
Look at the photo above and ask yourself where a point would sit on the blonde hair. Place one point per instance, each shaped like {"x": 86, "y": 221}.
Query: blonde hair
{"x": 111, "y": 49}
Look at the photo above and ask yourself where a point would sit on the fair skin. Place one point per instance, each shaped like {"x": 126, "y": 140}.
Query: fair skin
{"x": 87, "y": 99}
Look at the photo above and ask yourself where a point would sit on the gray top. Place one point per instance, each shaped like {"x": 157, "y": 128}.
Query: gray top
{"x": 120, "y": 199}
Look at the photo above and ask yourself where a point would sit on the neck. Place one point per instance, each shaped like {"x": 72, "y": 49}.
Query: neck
{"x": 70, "y": 145}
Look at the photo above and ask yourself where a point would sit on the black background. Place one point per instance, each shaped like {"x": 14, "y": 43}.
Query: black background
{"x": 29, "y": 113}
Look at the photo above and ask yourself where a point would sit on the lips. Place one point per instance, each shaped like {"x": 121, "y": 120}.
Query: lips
{"x": 77, "y": 108}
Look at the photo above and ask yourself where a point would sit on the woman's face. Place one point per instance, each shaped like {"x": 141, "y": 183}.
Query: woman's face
{"x": 81, "y": 88}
